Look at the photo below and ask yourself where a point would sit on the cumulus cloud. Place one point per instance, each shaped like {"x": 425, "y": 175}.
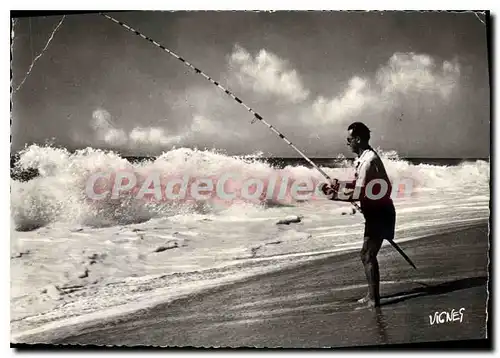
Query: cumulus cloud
{"x": 139, "y": 137}
{"x": 355, "y": 97}
{"x": 405, "y": 72}
{"x": 402, "y": 77}
{"x": 116, "y": 137}
{"x": 407, "y": 82}
{"x": 267, "y": 74}
{"x": 152, "y": 137}
{"x": 420, "y": 86}
{"x": 147, "y": 139}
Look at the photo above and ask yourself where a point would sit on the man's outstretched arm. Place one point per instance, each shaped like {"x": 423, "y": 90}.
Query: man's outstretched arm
{"x": 352, "y": 190}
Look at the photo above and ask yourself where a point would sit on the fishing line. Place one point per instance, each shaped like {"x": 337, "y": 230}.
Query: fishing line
{"x": 254, "y": 113}
{"x": 40, "y": 54}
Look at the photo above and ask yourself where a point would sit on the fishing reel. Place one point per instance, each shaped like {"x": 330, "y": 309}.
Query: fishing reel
{"x": 330, "y": 188}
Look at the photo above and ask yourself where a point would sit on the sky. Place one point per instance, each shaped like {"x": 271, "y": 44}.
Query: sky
{"x": 418, "y": 80}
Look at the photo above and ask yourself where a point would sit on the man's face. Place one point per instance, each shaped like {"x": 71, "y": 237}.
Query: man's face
{"x": 352, "y": 142}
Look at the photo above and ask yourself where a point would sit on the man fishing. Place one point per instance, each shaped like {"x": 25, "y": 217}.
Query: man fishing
{"x": 379, "y": 213}
{"x": 372, "y": 188}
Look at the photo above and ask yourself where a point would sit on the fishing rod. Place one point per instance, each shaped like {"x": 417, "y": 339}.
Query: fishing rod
{"x": 254, "y": 113}
{"x": 229, "y": 93}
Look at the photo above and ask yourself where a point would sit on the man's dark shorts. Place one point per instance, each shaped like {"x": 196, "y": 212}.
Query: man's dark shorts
{"x": 380, "y": 222}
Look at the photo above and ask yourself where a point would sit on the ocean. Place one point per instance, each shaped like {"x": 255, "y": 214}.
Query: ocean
{"x": 72, "y": 257}
{"x": 277, "y": 162}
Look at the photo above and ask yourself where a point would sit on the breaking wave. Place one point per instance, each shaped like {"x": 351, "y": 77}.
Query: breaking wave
{"x": 58, "y": 192}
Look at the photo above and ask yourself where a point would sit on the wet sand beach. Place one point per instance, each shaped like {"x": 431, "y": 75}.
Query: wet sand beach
{"x": 314, "y": 305}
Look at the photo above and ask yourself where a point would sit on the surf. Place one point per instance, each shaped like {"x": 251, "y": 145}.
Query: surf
{"x": 58, "y": 193}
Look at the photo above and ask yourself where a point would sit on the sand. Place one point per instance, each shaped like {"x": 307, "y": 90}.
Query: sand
{"x": 313, "y": 305}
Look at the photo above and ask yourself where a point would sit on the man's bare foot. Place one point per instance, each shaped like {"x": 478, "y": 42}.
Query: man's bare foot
{"x": 364, "y": 299}
{"x": 368, "y": 302}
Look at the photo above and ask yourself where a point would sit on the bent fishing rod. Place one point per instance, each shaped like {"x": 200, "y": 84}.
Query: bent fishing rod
{"x": 254, "y": 113}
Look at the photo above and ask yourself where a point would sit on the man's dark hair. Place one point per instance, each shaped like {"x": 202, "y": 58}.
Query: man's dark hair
{"x": 360, "y": 130}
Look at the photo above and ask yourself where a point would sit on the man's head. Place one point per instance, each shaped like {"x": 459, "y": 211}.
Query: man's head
{"x": 358, "y": 136}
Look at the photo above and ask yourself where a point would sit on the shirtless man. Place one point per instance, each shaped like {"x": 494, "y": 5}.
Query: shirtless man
{"x": 378, "y": 210}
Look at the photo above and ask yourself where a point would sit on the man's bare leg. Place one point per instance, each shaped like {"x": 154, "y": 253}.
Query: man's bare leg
{"x": 371, "y": 247}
